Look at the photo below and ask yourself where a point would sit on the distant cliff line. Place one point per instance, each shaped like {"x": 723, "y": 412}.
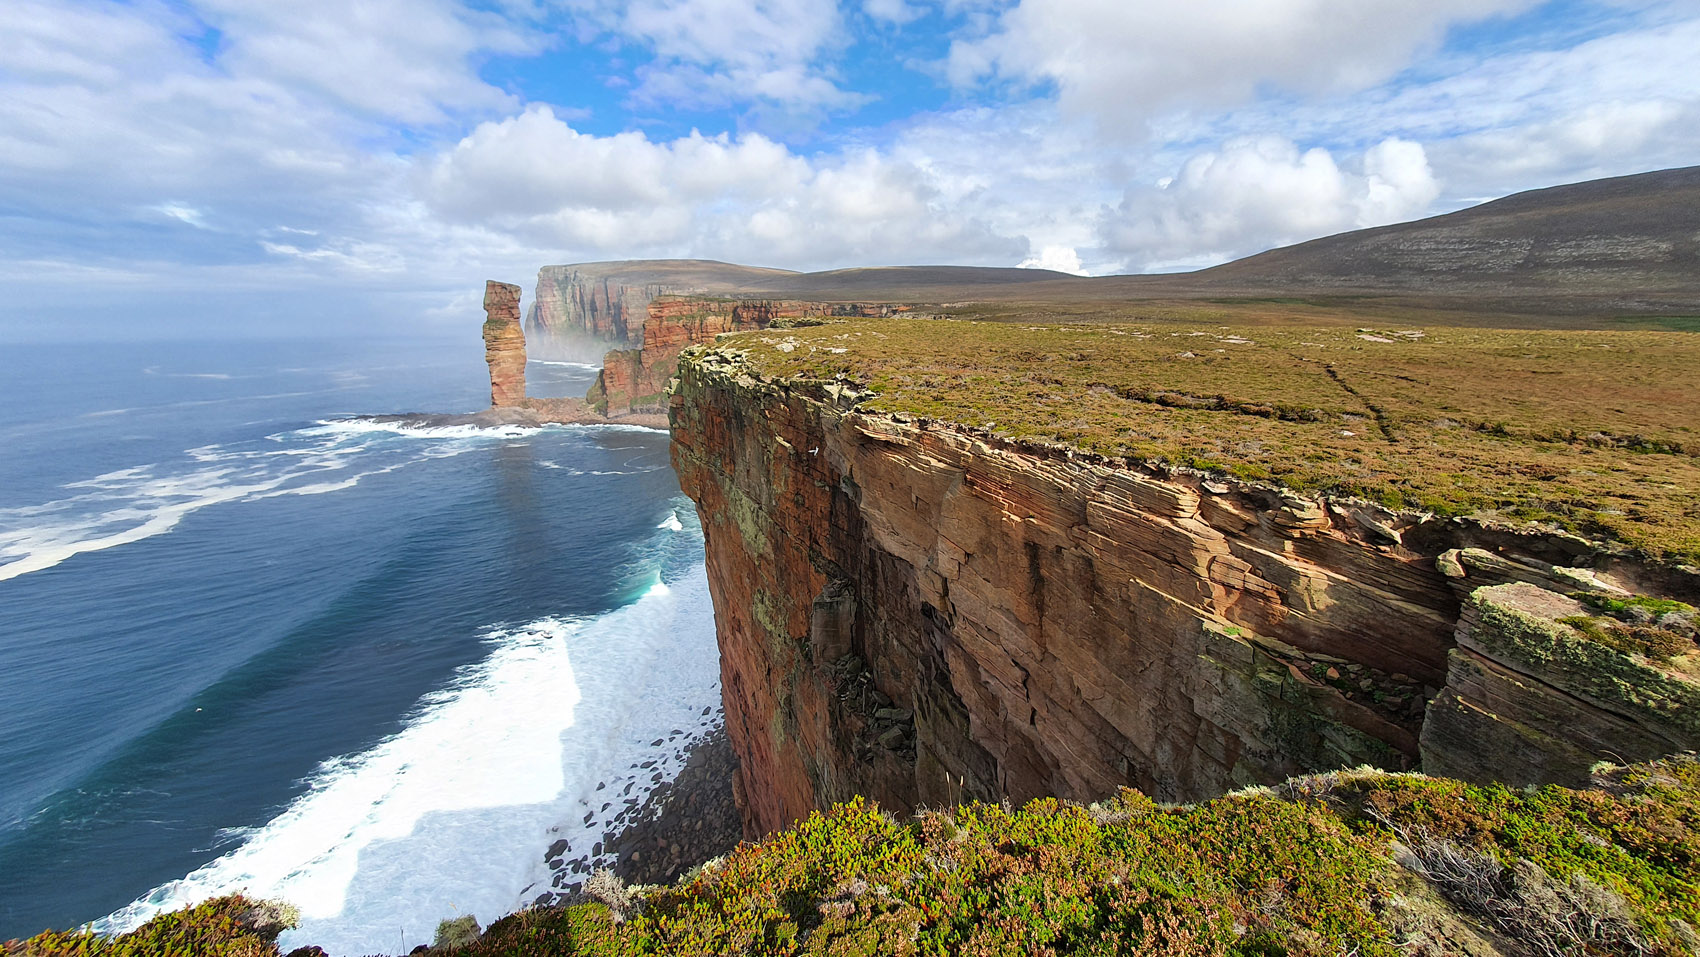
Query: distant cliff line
{"x": 1578, "y": 255}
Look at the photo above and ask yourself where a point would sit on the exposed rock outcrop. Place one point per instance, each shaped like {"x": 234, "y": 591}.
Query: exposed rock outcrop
{"x": 504, "y": 351}
{"x": 1530, "y": 698}
{"x": 608, "y": 302}
{"x": 569, "y": 302}
{"x": 924, "y": 616}
{"x": 634, "y": 381}
{"x": 504, "y": 344}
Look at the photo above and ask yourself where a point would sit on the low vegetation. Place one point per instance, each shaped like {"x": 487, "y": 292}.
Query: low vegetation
{"x": 234, "y": 926}
{"x": 1659, "y": 629}
{"x": 1360, "y": 862}
{"x": 1590, "y": 431}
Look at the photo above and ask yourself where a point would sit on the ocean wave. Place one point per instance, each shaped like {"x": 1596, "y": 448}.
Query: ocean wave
{"x": 368, "y": 426}
{"x": 450, "y": 815}
{"x": 129, "y": 505}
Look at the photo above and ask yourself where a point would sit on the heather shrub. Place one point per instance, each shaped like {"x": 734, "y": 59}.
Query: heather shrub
{"x": 235, "y": 926}
{"x": 1327, "y": 865}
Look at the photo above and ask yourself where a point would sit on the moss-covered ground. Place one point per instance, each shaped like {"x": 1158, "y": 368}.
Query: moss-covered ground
{"x": 1597, "y": 432}
{"x": 1347, "y": 863}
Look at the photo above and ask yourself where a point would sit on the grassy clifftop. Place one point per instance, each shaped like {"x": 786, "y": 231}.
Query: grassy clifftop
{"x": 1597, "y": 432}
{"x": 1360, "y": 862}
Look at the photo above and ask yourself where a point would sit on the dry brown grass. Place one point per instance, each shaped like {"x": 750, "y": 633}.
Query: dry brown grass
{"x": 1594, "y": 431}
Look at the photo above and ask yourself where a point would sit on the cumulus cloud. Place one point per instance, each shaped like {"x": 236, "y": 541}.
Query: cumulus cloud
{"x": 1058, "y": 258}
{"x": 535, "y": 176}
{"x": 1126, "y": 62}
{"x": 1255, "y": 193}
{"x": 408, "y": 60}
{"x": 1617, "y": 103}
{"x": 718, "y": 52}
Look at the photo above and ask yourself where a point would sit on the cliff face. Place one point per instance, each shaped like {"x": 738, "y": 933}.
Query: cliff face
{"x": 608, "y": 302}
{"x": 634, "y": 381}
{"x": 1530, "y": 699}
{"x": 926, "y": 616}
{"x": 572, "y": 301}
{"x": 504, "y": 344}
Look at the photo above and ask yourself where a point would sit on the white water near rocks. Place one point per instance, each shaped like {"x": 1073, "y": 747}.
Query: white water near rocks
{"x": 129, "y": 505}
{"x": 450, "y": 816}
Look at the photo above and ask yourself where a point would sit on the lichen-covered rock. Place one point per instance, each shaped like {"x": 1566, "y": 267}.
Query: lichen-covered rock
{"x": 1532, "y": 699}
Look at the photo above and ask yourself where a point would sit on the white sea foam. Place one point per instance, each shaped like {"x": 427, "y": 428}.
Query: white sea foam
{"x": 588, "y": 366}
{"x": 370, "y": 426}
{"x": 451, "y": 815}
{"x": 672, "y": 523}
{"x": 140, "y": 502}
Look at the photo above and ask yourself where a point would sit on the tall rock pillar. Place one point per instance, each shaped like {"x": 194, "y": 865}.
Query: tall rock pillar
{"x": 504, "y": 344}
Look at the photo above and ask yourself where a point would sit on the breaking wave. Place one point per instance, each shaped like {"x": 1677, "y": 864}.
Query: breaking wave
{"x": 129, "y": 505}
{"x": 553, "y": 735}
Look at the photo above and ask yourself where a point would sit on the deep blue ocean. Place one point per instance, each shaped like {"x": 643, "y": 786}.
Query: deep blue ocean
{"x": 247, "y": 642}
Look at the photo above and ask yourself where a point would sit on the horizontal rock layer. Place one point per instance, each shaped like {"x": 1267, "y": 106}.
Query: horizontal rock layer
{"x": 578, "y": 302}
{"x": 1528, "y": 699}
{"x": 924, "y": 616}
{"x": 504, "y": 344}
{"x": 634, "y": 381}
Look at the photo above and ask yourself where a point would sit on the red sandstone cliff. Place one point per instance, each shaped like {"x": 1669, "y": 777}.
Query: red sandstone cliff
{"x": 504, "y": 344}
{"x": 922, "y": 615}
{"x": 608, "y": 302}
{"x": 634, "y": 381}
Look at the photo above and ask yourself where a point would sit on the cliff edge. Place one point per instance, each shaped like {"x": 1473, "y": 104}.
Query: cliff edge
{"x": 926, "y": 612}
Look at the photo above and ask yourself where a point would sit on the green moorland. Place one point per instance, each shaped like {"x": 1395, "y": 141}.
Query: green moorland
{"x": 1594, "y": 431}
{"x": 1362, "y": 862}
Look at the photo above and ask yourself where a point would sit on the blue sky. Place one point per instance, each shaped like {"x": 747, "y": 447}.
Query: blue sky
{"x": 200, "y": 166}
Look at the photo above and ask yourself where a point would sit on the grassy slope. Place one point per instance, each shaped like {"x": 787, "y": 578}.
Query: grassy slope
{"x": 1595, "y": 431}
{"x": 1354, "y": 862}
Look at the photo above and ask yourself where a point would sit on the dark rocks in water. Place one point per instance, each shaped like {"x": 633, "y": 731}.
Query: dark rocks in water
{"x": 684, "y": 822}
{"x": 535, "y": 413}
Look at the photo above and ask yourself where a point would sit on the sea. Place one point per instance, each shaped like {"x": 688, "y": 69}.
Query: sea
{"x": 252, "y": 642}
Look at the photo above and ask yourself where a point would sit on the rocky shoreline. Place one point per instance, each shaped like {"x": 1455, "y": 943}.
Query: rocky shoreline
{"x": 535, "y": 414}
{"x": 682, "y": 824}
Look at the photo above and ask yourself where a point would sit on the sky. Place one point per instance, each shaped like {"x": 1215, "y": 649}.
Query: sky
{"x": 250, "y": 167}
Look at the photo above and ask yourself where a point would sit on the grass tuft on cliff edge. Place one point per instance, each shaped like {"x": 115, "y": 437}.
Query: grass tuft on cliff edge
{"x": 1361, "y": 862}
{"x": 1592, "y": 431}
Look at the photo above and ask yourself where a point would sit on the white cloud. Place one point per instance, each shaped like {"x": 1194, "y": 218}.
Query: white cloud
{"x": 1059, "y": 258}
{"x": 719, "y": 52}
{"x": 587, "y": 196}
{"x": 1619, "y": 103}
{"x": 409, "y": 60}
{"x": 355, "y": 146}
{"x": 1125, "y": 62}
{"x": 183, "y": 214}
{"x": 1255, "y": 193}
{"x": 891, "y": 11}
{"x": 1397, "y": 183}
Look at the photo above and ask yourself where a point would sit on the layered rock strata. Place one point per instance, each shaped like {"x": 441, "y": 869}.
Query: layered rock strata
{"x": 925, "y": 615}
{"x": 1530, "y": 698}
{"x": 504, "y": 352}
{"x": 574, "y": 301}
{"x": 634, "y": 381}
{"x": 504, "y": 344}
